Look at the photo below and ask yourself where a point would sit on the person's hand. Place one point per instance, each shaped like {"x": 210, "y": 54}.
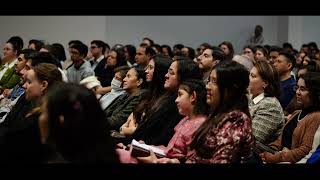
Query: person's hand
{"x": 121, "y": 146}
{"x": 7, "y": 92}
{"x": 141, "y": 142}
{"x": 167, "y": 161}
{"x": 152, "y": 159}
{"x": 267, "y": 157}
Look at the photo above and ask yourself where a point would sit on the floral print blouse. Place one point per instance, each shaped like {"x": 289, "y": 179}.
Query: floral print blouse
{"x": 230, "y": 140}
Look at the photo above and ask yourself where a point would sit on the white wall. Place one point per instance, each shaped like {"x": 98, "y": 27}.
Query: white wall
{"x": 310, "y": 29}
{"x": 53, "y": 29}
{"x": 303, "y": 29}
{"x": 283, "y": 29}
{"x": 189, "y": 30}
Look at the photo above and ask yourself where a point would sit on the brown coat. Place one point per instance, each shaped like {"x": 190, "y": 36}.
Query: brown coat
{"x": 302, "y": 139}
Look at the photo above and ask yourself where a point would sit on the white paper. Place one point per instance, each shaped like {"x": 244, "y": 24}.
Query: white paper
{"x": 147, "y": 147}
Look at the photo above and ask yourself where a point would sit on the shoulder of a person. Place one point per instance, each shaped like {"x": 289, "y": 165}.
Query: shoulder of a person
{"x": 315, "y": 115}
{"x": 271, "y": 101}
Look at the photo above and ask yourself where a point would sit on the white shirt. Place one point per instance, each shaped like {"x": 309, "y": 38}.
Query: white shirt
{"x": 8, "y": 107}
{"x": 258, "y": 98}
{"x": 63, "y": 74}
{"x": 95, "y": 63}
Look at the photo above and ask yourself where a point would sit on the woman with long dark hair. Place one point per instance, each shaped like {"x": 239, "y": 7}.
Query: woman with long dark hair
{"x": 226, "y": 137}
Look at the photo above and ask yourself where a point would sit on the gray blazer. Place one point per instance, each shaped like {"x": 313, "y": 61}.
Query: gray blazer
{"x": 267, "y": 119}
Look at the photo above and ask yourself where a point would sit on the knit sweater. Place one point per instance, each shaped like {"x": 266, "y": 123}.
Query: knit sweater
{"x": 302, "y": 139}
{"x": 267, "y": 119}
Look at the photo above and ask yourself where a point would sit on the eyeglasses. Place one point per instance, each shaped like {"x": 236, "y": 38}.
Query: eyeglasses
{"x": 301, "y": 88}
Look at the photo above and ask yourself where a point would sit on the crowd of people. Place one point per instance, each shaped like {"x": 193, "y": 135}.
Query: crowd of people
{"x": 204, "y": 105}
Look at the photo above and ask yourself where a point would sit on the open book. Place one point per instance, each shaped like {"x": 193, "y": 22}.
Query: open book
{"x": 143, "y": 150}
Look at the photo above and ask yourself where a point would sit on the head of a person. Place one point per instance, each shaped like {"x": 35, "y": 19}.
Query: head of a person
{"x": 10, "y": 51}
{"x": 287, "y": 46}
{"x": 227, "y": 87}
{"x": 119, "y": 74}
{"x": 35, "y": 44}
{"x": 274, "y": 53}
{"x": 313, "y": 47}
{"x": 192, "y": 98}
{"x": 148, "y": 41}
{"x": 258, "y": 30}
{"x": 47, "y": 48}
{"x": 261, "y": 54}
{"x": 36, "y": 58}
{"x": 18, "y": 40}
{"x": 316, "y": 55}
{"x": 179, "y": 71}
{"x": 306, "y": 60}
{"x": 130, "y": 53}
{"x": 39, "y": 79}
{"x": 23, "y": 59}
{"x": 311, "y": 67}
{"x": 72, "y": 42}
{"x": 305, "y": 48}
{"x": 156, "y": 71}
{"x": 134, "y": 81}
{"x": 143, "y": 55}
{"x": 299, "y": 60}
{"x": 59, "y": 52}
{"x": 177, "y": 48}
{"x": 203, "y": 46}
{"x": 244, "y": 60}
{"x": 28, "y": 66}
{"x": 117, "y": 46}
{"x": 267, "y": 47}
{"x": 264, "y": 78}
{"x": 156, "y": 48}
{"x": 249, "y": 51}
{"x": 188, "y": 52}
{"x": 226, "y": 92}
{"x": 308, "y": 91}
{"x": 116, "y": 58}
{"x": 210, "y": 58}
{"x": 166, "y": 51}
{"x": 43, "y": 57}
{"x": 284, "y": 62}
{"x": 78, "y": 52}
{"x": 97, "y": 48}
{"x": 72, "y": 120}
{"x": 227, "y": 48}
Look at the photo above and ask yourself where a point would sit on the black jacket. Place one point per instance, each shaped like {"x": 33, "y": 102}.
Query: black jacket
{"x": 158, "y": 128}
